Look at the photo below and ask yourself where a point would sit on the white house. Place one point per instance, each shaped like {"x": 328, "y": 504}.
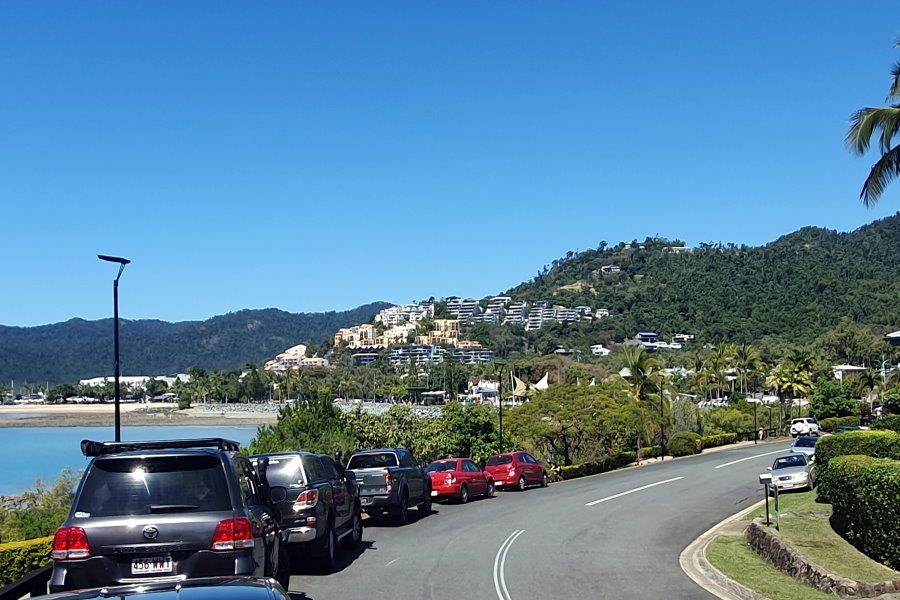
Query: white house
{"x": 600, "y": 350}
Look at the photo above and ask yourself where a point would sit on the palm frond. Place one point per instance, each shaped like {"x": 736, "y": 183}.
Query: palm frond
{"x": 894, "y": 92}
{"x": 883, "y": 172}
{"x": 865, "y": 122}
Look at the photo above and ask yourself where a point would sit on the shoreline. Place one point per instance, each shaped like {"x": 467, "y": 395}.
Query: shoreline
{"x": 102, "y": 415}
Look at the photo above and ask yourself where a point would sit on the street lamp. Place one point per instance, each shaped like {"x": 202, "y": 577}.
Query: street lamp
{"x": 121, "y": 262}
{"x": 498, "y": 369}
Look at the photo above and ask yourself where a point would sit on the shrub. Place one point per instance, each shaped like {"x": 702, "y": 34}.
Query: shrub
{"x": 685, "y": 443}
{"x": 650, "y": 451}
{"x": 879, "y": 444}
{"x": 890, "y": 422}
{"x": 830, "y": 424}
{"x": 863, "y": 492}
{"x": 18, "y": 559}
{"x": 601, "y": 465}
{"x": 711, "y": 441}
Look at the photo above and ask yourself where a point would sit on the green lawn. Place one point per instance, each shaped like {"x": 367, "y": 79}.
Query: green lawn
{"x": 814, "y": 538}
{"x": 790, "y": 502}
{"x": 732, "y": 556}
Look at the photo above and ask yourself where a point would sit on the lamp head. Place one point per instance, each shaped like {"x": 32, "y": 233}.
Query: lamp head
{"x": 115, "y": 259}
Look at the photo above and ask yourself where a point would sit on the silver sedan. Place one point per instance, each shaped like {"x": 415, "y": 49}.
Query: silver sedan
{"x": 793, "y": 472}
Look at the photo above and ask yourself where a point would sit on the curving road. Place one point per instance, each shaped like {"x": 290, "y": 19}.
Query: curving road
{"x": 614, "y": 535}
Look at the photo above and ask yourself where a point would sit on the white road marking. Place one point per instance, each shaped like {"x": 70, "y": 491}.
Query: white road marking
{"x": 500, "y": 565}
{"x": 740, "y": 460}
{"x": 643, "y": 487}
{"x": 392, "y": 562}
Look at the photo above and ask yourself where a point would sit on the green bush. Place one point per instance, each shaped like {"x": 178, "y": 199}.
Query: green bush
{"x": 863, "y": 492}
{"x": 650, "y": 451}
{"x": 18, "y": 559}
{"x": 601, "y": 465}
{"x": 720, "y": 439}
{"x": 891, "y": 422}
{"x": 685, "y": 443}
{"x": 830, "y": 424}
{"x": 879, "y": 444}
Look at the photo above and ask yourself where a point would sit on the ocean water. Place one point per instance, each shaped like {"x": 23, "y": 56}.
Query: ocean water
{"x": 31, "y": 453}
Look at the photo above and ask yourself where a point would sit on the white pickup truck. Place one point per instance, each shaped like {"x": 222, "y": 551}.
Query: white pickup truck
{"x": 804, "y": 426}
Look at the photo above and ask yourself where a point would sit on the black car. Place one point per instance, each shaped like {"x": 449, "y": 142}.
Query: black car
{"x": 317, "y": 501}
{"x": 166, "y": 511}
{"x": 208, "y": 588}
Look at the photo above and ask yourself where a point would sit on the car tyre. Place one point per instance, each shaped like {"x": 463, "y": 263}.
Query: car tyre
{"x": 353, "y": 539}
{"x": 463, "y": 494}
{"x": 491, "y": 490}
{"x": 425, "y": 507}
{"x": 400, "y": 513}
{"x": 329, "y": 550}
{"x": 522, "y": 485}
{"x": 544, "y": 480}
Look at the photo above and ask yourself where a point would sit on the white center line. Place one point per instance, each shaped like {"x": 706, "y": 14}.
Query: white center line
{"x": 643, "y": 487}
{"x": 392, "y": 562}
{"x": 740, "y": 460}
{"x": 500, "y": 565}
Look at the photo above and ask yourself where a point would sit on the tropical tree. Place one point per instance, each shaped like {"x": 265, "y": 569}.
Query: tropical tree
{"x": 650, "y": 387}
{"x": 880, "y": 124}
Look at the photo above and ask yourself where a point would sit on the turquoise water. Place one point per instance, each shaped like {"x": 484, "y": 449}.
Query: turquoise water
{"x": 30, "y": 453}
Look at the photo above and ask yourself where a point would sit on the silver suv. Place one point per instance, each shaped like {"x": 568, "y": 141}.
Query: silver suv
{"x": 166, "y": 511}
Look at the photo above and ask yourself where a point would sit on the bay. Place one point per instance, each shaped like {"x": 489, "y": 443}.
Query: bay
{"x": 31, "y": 453}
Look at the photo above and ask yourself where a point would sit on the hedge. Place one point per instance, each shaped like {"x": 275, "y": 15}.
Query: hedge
{"x": 685, "y": 443}
{"x": 832, "y": 422}
{"x": 719, "y": 439}
{"x": 863, "y": 492}
{"x": 879, "y": 444}
{"x": 18, "y": 559}
{"x": 891, "y": 422}
{"x": 601, "y": 465}
{"x": 650, "y": 451}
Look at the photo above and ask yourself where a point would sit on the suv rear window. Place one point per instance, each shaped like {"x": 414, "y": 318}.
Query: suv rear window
{"x": 499, "y": 460}
{"x": 285, "y": 471}
{"x": 154, "y": 485}
{"x": 372, "y": 461}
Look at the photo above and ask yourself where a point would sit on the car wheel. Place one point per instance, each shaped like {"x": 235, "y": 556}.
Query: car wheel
{"x": 400, "y": 513}
{"x": 490, "y": 489}
{"x": 352, "y": 539}
{"x": 425, "y": 507}
{"x": 544, "y": 480}
{"x": 522, "y": 483}
{"x": 463, "y": 494}
{"x": 329, "y": 556}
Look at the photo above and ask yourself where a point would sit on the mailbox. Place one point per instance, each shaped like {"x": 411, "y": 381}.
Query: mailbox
{"x": 765, "y": 478}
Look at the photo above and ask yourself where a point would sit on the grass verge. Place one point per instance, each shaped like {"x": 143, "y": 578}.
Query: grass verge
{"x": 733, "y": 557}
{"x": 790, "y": 502}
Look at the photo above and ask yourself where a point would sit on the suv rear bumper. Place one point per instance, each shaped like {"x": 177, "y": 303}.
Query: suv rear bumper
{"x": 376, "y": 503}
{"x": 297, "y": 535}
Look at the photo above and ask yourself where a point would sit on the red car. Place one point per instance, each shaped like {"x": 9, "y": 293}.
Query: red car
{"x": 516, "y": 469}
{"x": 459, "y": 479}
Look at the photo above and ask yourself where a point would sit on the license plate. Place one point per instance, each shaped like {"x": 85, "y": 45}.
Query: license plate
{"x": 365, "y": 500}
{"x": 153, "y": 564}
{"x": 434, "y": 492}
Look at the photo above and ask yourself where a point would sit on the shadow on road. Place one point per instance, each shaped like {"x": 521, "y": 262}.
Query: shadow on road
{"x": 416, "y": 515}
{"x": 308, "y": 564}
{"x": 299, "y": 596}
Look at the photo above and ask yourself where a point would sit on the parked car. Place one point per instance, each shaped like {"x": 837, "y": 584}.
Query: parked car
{"x": 516, "y": 469}
{"x": 794, "y": 471}
{"x": 804, "y": 426}
{"x": 317, "y": 502}
{"x": 805, "y": 444}
{"x": 160, "y": 511}
{"x": 842, "y": 428}
{"x": 459, "y": 479}
{"x": 207, "y": 588}
{"x": 390, "y": 481}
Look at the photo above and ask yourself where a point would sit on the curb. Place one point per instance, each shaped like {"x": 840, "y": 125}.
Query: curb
{"x": 695, "y": 565}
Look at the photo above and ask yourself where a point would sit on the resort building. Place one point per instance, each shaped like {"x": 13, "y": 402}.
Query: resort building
{"x": 356, "y": 336}
{"x": 405, "y": 313}
{"x": 295, "y": 358}
{"x": 464, "y": 310}
{"x": 600, "y": 350}
{"x": 421, "y": 353}
{"x": 471, "y": 356}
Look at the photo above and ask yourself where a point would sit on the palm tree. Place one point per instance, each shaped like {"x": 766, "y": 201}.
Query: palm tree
{"x": 882, "y": 124}
{"x": 649, "y": 385}
{"x": 747, "y": 362}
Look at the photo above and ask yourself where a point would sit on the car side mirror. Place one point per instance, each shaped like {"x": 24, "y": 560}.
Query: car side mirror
{"x": 769, "y": 469}
{"x": 277, "y": 494}
{"x": 812, "y": 458}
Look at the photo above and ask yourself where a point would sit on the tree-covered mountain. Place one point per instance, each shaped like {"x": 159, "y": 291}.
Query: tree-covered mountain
{"x": 77, "y": 349}
{"x": 792, "y": 290}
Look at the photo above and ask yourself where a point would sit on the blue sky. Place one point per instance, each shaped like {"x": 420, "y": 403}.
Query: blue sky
{"x": 307, "y": 157}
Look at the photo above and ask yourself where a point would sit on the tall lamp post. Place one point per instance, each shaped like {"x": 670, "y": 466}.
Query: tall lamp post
{"x": 498, "y": 366}
{"x": 121, "y": 262}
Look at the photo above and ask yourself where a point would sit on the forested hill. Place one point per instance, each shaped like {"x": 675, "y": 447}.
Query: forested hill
{"x": 78, "y": 349}
{"x": 793, "y": 289}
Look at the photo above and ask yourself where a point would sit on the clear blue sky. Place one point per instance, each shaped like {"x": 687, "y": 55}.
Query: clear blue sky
{"x": 308, "y": 157}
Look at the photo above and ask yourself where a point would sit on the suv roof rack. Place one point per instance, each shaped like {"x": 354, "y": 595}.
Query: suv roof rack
{"x": 91, "y": 448}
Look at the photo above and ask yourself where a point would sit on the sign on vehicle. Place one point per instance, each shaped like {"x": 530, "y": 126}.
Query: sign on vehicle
{"x": 153, "y": 564}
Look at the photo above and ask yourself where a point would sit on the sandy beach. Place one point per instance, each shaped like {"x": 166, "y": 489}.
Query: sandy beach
{"x": 90, "y": 415}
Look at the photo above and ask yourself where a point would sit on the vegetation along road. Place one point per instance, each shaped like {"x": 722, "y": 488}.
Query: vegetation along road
{"x": 615, "y": 535}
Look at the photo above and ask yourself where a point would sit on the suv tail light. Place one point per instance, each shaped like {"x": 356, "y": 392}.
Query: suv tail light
{"x": 306, "y": 499}
{"x": 232, "y": 534}
{"x": 388, "y": 480}
{"x": 70, "y": 542}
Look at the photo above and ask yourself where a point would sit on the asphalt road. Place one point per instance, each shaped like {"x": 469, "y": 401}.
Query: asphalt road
{"x": 614, "y": 535}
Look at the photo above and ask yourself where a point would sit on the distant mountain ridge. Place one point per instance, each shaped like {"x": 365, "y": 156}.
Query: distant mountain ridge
{"x": 78, "y": 349}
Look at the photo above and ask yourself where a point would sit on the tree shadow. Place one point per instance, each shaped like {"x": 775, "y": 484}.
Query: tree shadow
{"x": 307, "y": 563}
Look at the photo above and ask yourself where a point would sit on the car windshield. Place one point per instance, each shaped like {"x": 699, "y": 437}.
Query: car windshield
{"x": 286, "y": 471}
{"x": 372, "y": 461}
{"x": 806, "y": 442}
{"x": 444, "y": 465}
{"x": 499, "y": 460}
{"x": 786, "y": 462}
{"x": 151, "y": 485}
